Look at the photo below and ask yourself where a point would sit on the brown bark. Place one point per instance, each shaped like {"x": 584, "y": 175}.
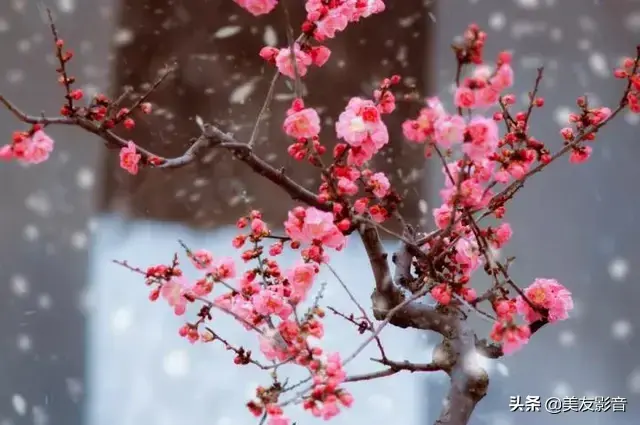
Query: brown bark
{"x": 210, "y": 69}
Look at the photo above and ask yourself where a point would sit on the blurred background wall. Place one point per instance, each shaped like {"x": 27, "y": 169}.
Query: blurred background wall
{"x": 80, "y": 343}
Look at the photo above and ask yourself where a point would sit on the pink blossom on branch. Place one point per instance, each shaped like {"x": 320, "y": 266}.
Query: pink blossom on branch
{"x": 545, "y": 294}
{"x": 130, "y": 158}
{"x": 482, "y": 171}
{"x": 301, "y": 122}
{"x": 312, "y": 225}
{"x": 32, "y": 147}
{"x": 257, "y": 7}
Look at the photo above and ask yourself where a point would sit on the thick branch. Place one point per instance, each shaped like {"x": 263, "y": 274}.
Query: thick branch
{"x": 469, "y": 382}
{"x": 403, "y": 259}
{"x": 389, "y": 303}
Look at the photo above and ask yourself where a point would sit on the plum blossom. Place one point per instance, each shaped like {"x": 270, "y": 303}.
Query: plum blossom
{"x": 501, "y": 235}
{"x": 286, "y": 66}
{"x": 580, "y": 154}
{"x": 547, "y": 294}
{"x": 130, "y": 158}
{"x": 449, "y": 130}
{"x": 442, "y": 216}
{"x": 257, "y": 7}
{"x": 38, "y": 148}
{"x": 483, "y": 138}
{"x": 33, "y": 149}
{"x": 331, "y": 18}
{"x": 174, "y": 292}
{"x": 269, "y": 301}
{"x": 301, "y": 278}
{"x": 503, "y": 78}
{"x": 360, "y": 122}
{"x": 467, "y": 253}
{"x": 423, "y": 127}
{"x": 511, "y": 336}
{"x": 333, "y": 22}
{"x": 201, "y": 259}
{"x": 301, "y": 122}
{"x": 379, "y": 184}
{"x": 311, "y": 224}
{"x": 361, "y": 126}
{"x": 270, "y": 348}
{"x": 442, "y": 293}
{"x": 464, "y": 97}
{"x": 223, "y": 268}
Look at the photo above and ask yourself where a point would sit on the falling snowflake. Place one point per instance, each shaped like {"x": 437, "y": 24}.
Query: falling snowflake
{"x": 618, "y": 269}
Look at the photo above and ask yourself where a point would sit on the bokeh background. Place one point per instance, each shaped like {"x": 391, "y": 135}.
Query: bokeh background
{"x": 80, "y": 343}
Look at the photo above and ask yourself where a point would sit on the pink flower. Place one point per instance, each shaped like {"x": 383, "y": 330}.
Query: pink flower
{"x": 268, "y": 302}
{"x": 378, "y": 214}
{"x": 380, "y": 185}
{"x": 286, "y": 66}
{"x": 320, "y": 55}
{"x": 598, "y": 116}
{"x": 423, "y": 127}
{"x": 6, "y": 152}
{"x": 173, "y": 292}
{"x": 245, "y": 312}
{"x": 327, "y": 27}
{"x": 487, "y": 96}
{"x": 301, "y": 279}
{"x": 278, "y": 419}
{"x": 223, "y": 268}
{"x": 442, "y": 216}
{"x": 201, "y": 259}
{"x": 442, "y": 293}
{"x": 257, "y": 7}
{"x": 464, "y": 97}
{"x": 449, "y": 130}
{"x": 129, "y": 158}
{"x": 347, "y": 187}
{"x": 469, "y": 294}
{"x": 484, "y": 138}
{"x": 310, "y": 225}
{"x": 505, "y": 309}
{"x": 473, "y": 194}
{"x": 502, "y": 235}
{"x": 580, "y": 155}
{"x": 467, "y": 253}
{"x": 302, "y": 124}
{"x": 547, "y": 294}
{"x": 259, "y": 228}
{"x": 270, "y": 349}
{"x": 503, "y": 78}
{"x": 37, "y": 148}
{"x": 329, "y": 409}
{"x": 360, "y": 122}
{"x": 360, "y": 206}
{"x": 482, "y": 72}
{"x": 512, "y": 337}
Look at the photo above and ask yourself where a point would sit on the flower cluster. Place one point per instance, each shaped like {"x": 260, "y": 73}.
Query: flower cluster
{"x": 31, "y": 147}
{"x": 482, "y": 171}
{"x": 324, "y": 21}
{"x": 35, "y": 146}
{"x": 544, "y": 299}
{"x": 296, "y": 63}
{"x": 265, "y": 299}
